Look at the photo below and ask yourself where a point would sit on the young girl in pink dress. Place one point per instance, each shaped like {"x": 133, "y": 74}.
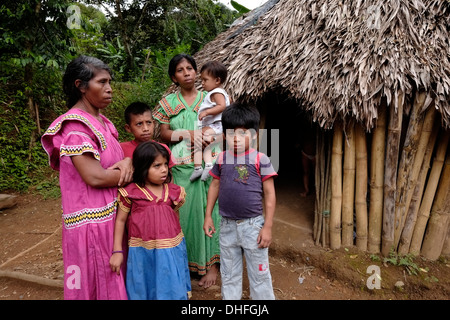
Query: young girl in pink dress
{"x": 83, "y": 146}
{"x": 157, "y": 265}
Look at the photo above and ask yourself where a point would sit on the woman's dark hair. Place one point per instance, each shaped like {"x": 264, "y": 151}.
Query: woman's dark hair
{"x": 215, "y": 69}
{"x": 84, "y": 69}
{"x": 237, "y": 115}
{"x": 143, "y": 157}
{"x": 176, "y": 60}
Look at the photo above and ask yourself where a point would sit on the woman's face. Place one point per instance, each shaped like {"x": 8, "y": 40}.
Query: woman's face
{"x": 184, "y": 74}
{"x": 98, "y": 92}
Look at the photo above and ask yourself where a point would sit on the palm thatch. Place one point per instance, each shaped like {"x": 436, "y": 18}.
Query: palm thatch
{"x": 339, "y": 59}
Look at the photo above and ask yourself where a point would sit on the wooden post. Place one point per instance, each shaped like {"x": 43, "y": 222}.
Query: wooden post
{"x": 427, "y": 200}
{"x": 390, "y": 174}
{"x": 409, "y": 165}
{"x": 361, "y": 188}
{"x": 336, "y": 187}
{"x": 436, "y": 233}
{"x": 348, "y": 186}
{"x": 446, "y": 249}
{"x": 319, "y": 170}
{"x": 376, "y": 182}
{"x": 417, "y": 178}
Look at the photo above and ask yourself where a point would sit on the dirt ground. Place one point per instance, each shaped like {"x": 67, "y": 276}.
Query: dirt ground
{"x": 31, "y": 260}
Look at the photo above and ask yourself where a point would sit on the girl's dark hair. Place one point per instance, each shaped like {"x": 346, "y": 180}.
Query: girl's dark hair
{"x": 143, "y": 157}
{"x": 84, "y": 69}
{"x": 176, "y": 60}
{"x": 216, "y": 69}
{"x": 237, "y": 115}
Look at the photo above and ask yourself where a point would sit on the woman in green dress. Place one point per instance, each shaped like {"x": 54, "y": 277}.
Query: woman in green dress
{"x": 177, "y": 115}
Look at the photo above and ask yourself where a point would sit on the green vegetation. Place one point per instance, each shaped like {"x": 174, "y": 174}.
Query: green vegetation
{"x": 38, "y": 39}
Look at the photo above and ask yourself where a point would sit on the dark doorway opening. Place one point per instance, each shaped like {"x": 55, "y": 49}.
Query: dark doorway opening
{"x": 289, "y": 131}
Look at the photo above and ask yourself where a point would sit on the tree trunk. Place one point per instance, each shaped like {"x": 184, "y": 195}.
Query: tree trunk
{"x": 348, "y": 186}
{"x": 336, "y": 188}
{"x": 427, "y": 200}
{"x": 418, "y": 176}
{"x": 125, "y": 40}
{"x": 28, "y": 77}
{"x": 439, "y": 218}
{"x": 390, "y": 175}
{"x": 361, "y": 188}
{"x": 409, "y": 165}
{"x": 376, "y": 182}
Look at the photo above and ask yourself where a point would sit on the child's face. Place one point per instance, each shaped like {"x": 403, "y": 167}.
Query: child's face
{"x": 240, "y": 139}
{"x": 208, "y": 81}
{"x": 141, "y": 126}
{"x": 157, "y": 173}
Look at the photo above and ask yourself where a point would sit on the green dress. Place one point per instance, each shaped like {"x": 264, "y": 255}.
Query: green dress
{"x": 203, "y": 251}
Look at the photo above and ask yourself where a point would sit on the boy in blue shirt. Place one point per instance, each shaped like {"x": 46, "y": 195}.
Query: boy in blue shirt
{"x": 243, "y": 176}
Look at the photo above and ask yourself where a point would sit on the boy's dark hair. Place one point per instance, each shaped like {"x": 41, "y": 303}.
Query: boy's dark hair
{"x": 176, "y": 60}
{"x": 135, "y": 108}
{"x": 82, "y": 68}
{"x": 215, "y": 69}
{"x": 237, "y": 115}
{"x": 143, "y": 157}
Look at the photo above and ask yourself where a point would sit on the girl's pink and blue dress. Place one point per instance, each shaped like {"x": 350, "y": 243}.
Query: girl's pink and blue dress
{"x": 157, "y": 265}
{"x": 88, "y": 213}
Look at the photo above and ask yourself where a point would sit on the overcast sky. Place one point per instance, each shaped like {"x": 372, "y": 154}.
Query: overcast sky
{"x": 250, "y": 4}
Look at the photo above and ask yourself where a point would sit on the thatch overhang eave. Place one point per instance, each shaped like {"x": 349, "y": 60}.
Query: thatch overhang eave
{"x": 327, "y": 55}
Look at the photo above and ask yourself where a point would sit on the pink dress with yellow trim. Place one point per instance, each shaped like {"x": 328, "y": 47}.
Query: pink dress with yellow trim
{"x": 88, "y": 213}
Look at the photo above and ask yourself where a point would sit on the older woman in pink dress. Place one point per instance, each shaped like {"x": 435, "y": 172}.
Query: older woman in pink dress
{"x": 83, "y": 146}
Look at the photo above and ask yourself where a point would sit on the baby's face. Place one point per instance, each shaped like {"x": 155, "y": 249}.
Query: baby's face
{"x": 208, "y": 81}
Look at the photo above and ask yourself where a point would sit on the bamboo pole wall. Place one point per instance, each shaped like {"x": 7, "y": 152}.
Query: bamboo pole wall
{"x": 348, "y": 185}
{"x": 407, "y": 206}
{"x": 390, "y": 176}
{"x": 336, "y": 188}
{"x": 376, "y": 182}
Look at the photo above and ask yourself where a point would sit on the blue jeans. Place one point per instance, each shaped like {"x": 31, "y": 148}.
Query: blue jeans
{"x": 238, "y": 237}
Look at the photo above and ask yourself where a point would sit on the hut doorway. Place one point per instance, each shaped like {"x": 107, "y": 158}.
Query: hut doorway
{"x": 291, "y": 137}
{"x": 288, "y": 131}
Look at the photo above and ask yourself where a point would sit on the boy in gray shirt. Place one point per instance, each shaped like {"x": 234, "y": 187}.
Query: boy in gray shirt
{"x": 243, "y": 176}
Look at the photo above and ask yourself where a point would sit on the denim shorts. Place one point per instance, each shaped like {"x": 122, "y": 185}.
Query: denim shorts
{"x": 237, "y": 239}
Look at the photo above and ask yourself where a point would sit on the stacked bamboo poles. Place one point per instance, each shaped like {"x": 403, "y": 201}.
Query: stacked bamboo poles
{"x": 426, "y": 146}
{"x": 390, "y": 175}
{"x": 348, "y": 185}
{"x": 361, "y": 188}
{"x": 436, "y": 233}
{"x": 429, "y": 195}
{"x": 347, "y": 170}
{"x": 376, "y": 182}
{"x": 409, "y": 166}
{"x": 336, "y": 187}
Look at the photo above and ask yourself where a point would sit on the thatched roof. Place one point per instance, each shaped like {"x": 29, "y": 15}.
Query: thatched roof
{"x": 339, "y": 58}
